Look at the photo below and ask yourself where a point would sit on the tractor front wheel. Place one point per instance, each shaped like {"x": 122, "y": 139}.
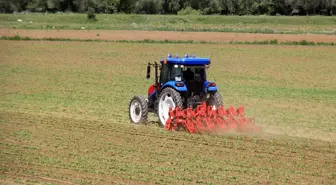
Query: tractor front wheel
{"x": 138, "y": 110}
{"x": 168, "y": 98}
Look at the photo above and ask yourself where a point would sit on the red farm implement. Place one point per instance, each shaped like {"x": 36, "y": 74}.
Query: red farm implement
{"x": 183, "y": 98}
{"x": 207, "y": 119}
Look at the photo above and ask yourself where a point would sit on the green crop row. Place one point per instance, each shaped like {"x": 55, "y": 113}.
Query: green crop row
{"x": 244, "y": 24}
{"x": 265, "y": 42}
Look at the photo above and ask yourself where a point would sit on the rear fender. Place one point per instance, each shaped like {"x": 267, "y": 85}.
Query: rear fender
{"x": 173, "y": 85}
{"x": 151, "y": 90}
{"x": 151, "y": 94}
{"x": 208, "y": 88}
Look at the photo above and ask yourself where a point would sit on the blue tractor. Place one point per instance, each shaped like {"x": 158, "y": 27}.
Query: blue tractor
{"x": 182, "y": 83}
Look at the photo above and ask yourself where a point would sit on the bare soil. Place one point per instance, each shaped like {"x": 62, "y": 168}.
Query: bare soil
{"x": 163, "y": 35}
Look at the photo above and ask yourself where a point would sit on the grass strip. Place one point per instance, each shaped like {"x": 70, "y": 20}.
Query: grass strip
{"x": 191, "y": 23}
{"x": 174, "y": 29}
{"x": 265, "y": 42}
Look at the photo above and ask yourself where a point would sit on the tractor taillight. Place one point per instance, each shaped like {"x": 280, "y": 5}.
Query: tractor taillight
{"x": 179, "y": 84}
{"x": 212, "y": 84}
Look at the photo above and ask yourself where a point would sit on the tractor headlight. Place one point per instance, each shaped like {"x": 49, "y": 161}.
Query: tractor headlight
{"x": 176, "y": 66}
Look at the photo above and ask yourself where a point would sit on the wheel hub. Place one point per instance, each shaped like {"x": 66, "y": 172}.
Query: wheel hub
{"x": 165, "y": 103}
{"x": 136, "y": 111}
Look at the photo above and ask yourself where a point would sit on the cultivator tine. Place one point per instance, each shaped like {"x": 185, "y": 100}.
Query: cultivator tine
{"x": 207, "y": 119}
{"x": 231, "y": 113}
{"x": 221, "y": 122}
{"x": 199, "y": 124}
{"x": 169, "y": 123}
{"x": 210, "y": 119}
{"x": 189, "y": 123}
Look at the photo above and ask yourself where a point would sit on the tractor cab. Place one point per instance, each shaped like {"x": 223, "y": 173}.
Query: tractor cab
{"x": 187, "y": 72}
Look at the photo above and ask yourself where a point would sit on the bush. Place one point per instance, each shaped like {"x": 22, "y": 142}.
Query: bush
{"x": 188, "y": 11}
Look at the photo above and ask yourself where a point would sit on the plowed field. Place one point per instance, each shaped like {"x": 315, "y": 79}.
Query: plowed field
{"x": 64, "y": 116}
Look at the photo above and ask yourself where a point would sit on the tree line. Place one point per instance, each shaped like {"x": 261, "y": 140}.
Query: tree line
{"x": 203, "y": 7}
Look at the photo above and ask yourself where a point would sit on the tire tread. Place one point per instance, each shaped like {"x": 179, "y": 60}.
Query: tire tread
{"x": 144, "y": 108}
{"x": 216, "y": 98}
{"x": 176, "y": 97}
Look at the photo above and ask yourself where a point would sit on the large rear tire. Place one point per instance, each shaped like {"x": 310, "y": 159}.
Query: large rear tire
{"x": 138, "y": 110}
{"x": 215, "y": 100}
{"x": 168, "y": 98}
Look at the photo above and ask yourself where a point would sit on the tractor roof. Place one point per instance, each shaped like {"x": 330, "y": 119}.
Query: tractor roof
{"x": 188, "y": 61}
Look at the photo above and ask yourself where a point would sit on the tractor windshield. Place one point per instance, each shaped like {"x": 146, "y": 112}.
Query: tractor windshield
{"x": 177, "y": 73}
{"x": 182, "y": 73}
{"x": 188, "y": 73}
{"x": 194, "y": 73}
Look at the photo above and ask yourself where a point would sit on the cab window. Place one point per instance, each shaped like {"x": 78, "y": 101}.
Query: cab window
{"x": 176, "y": 73}
{"x": 165, "y": 76}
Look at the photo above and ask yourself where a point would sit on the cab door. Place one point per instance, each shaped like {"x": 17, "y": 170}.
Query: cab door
{"x": 164, "y": 74}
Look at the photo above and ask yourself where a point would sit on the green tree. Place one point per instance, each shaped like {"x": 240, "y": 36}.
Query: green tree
{"x": 226, "y": 7}
{"x": 9, "y": 6}
{"x": 37, "y": 5}
{"x": 171, "y": 6}
{"x": 67, "y": 5}
{"x": 260, "y": 7}
{"x": 126, "y": 6}
{"x": 332, "y": 7}
{"x": 53, "y": 5}
{"x": 107, "y": 6}
{"x": 211, "y": 7}
{"x": 81, "y": 5}
{"x": 148, "y": 7}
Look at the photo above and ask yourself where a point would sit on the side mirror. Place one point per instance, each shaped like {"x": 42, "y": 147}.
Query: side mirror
{"x": 148, "y": 72}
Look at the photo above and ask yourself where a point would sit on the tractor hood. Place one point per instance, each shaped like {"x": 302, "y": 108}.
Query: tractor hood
{"x": 187, "y": 61}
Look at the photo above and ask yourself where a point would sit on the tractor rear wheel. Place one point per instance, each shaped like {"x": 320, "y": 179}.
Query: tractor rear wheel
{"x": 168, "y": 98}
{"x": 138, "y": 110}
{"x": 215, "y": 100}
